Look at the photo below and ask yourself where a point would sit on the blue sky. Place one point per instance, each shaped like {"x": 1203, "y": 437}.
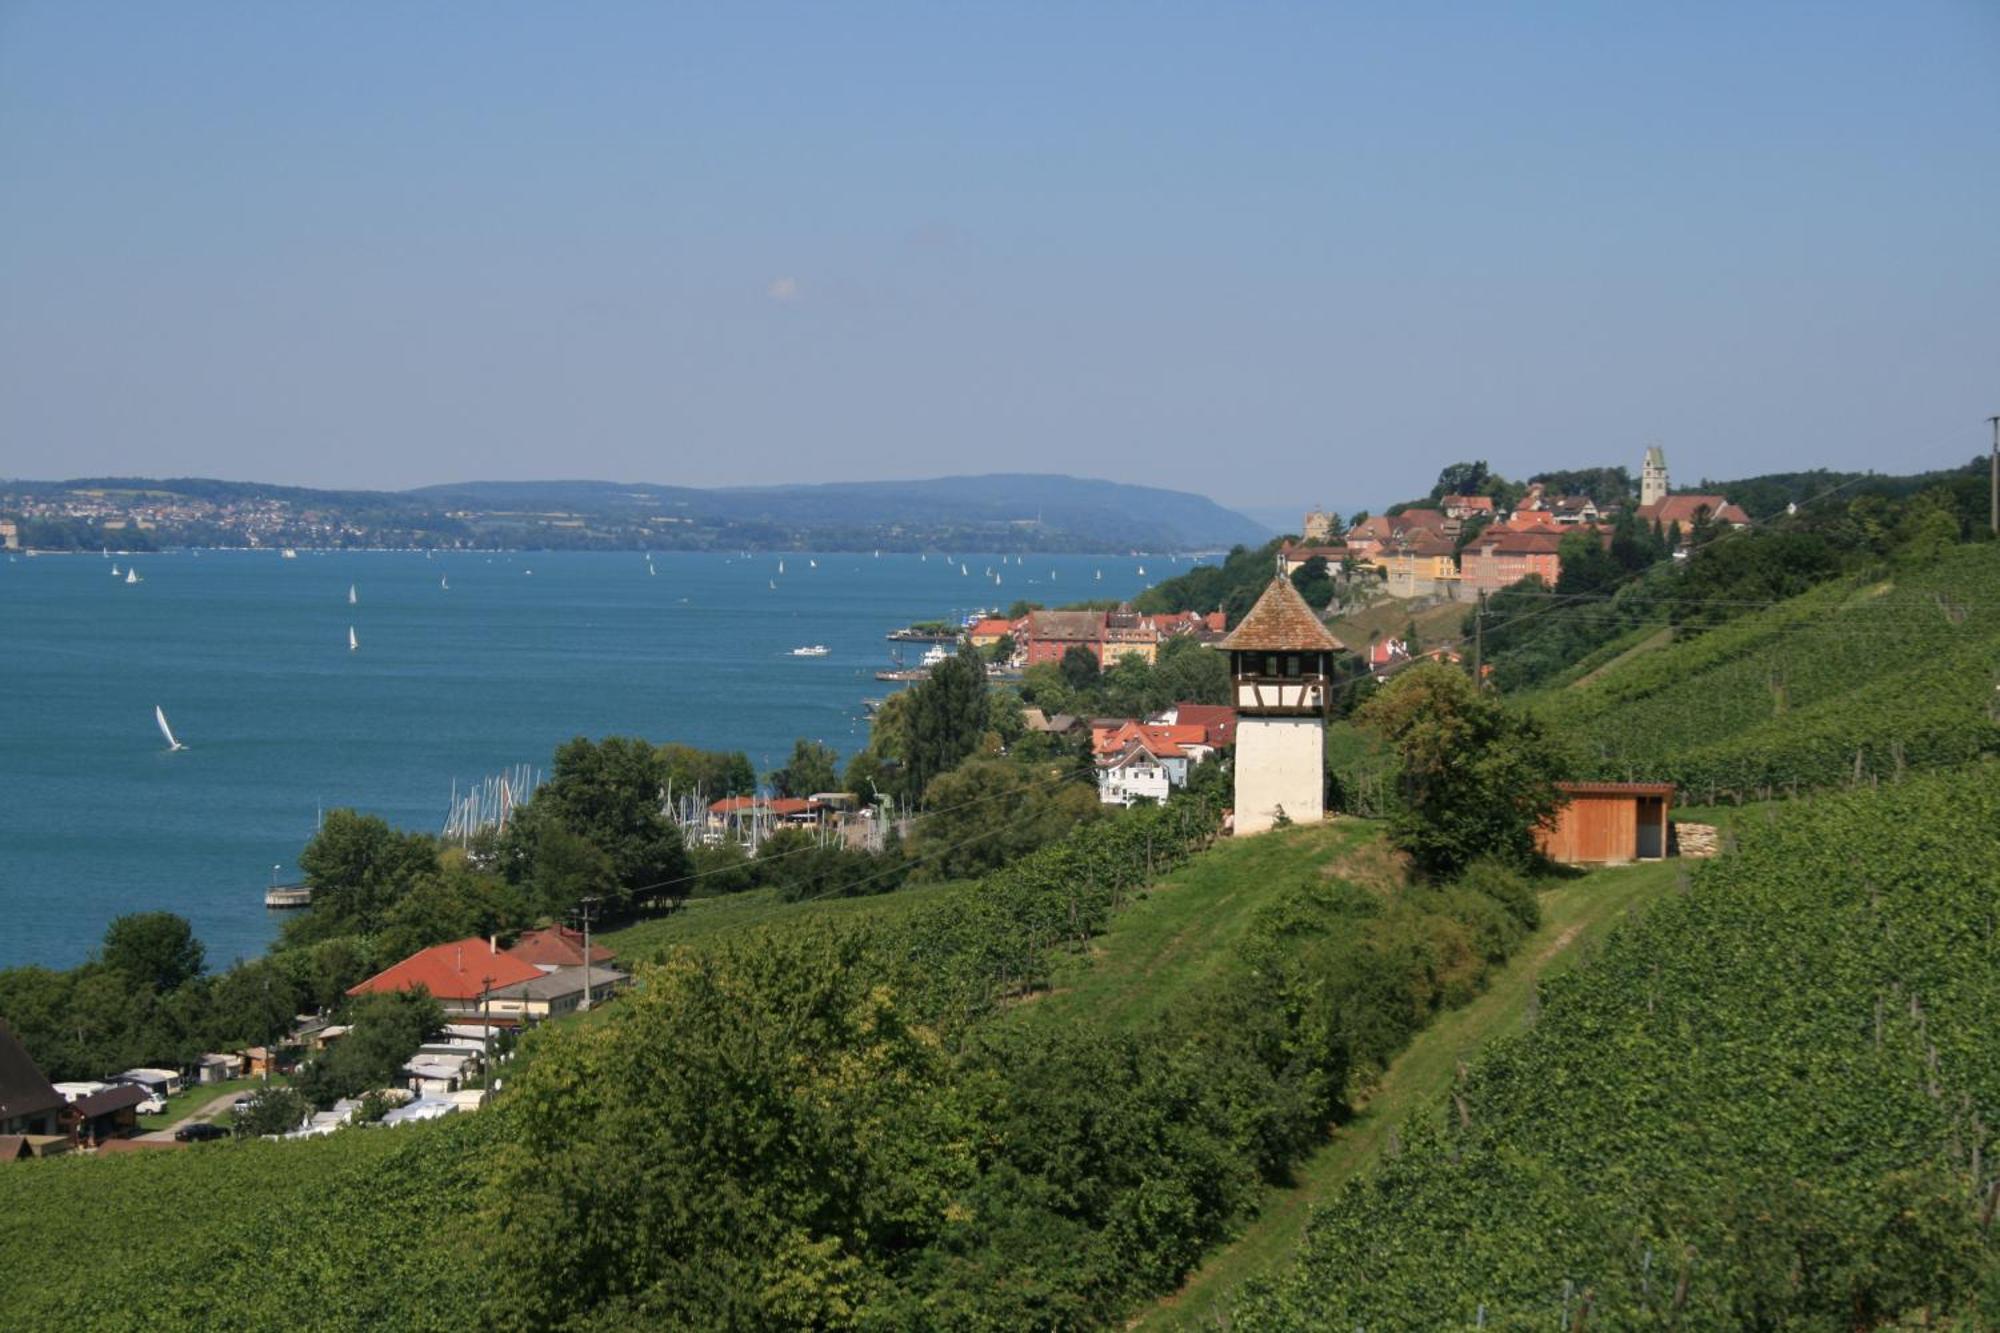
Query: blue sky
{"x": 1277, "y": 254}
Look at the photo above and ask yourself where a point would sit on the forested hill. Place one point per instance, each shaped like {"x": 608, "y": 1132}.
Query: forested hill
{"x": 1107, "y": 515}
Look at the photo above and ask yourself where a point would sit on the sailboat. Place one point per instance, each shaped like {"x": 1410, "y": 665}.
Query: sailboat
{"x": 811, "y": 563}
{"x": 350, "y": 594}
{"x": 1100, "y": 576}
{"x": 444, "y": 582}
{"x": 963, "y": 570}
{"x": 781, "y": 566}
{"x": 352, "y": 642}
{"x": 774, "y": 585}
{"x": 1142, "y": 571}
{"x": 649, "y": 566}
{"x": 115, "y": 571}
{"x": 132, "y": 575}
{"x": 160, "y": 716}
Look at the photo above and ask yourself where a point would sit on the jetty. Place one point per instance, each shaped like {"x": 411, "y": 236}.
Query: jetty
{"x": 282, "y": 897}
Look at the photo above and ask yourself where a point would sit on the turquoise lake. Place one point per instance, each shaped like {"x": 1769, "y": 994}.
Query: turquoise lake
{"x": 248, "y": 655}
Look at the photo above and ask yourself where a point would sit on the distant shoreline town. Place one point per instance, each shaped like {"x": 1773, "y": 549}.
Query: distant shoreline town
{"x": 1000, "y": 514}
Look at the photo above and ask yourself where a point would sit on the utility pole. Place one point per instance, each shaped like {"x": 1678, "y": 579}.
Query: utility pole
{"x": 1479, "y": 643}
{"x": 1994, "y": 509}
{"x": 586, "y": 908}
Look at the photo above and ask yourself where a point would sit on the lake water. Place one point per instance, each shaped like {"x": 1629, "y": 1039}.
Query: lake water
{"x": 248, "y": 655}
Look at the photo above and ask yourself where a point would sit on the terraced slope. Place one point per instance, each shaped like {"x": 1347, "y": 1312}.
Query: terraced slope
{"x": 1768, "y": 1104}
{"x": 1849, "y": 683}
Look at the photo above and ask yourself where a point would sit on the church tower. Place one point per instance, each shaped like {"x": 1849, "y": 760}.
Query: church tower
{"x": 1281, "y": 672}
{"x": 1653, "y": 477}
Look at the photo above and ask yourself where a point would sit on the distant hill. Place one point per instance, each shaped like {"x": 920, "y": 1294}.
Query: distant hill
{"x": 1004, "y": 512}
{"x": 1107, "y": 514}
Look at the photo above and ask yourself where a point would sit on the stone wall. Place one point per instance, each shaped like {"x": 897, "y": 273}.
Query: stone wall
{"x": 1696, "y": 841}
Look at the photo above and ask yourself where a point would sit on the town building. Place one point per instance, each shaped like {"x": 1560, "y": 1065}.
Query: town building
{"x": 1281, "y": 670}
{"x": 986, "y": 632}
{"x": 1686, "y": 510}
{"x": 1053, "y": 633}
{"x": 1128, "y": 634}
{"x": 1420, "y": 565}
{"x": 459, "y": 975}
{"x": 1320, "y": 525}
{"x": 1296, "y": 554}
{"x": 1500, "y": 558}
{"x": 555, "y": 947}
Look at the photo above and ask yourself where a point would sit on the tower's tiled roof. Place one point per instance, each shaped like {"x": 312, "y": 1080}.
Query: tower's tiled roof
{"x": 1281, "y": 622}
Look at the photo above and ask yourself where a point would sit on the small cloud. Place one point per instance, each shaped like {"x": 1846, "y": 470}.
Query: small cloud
{"x": 783, "y": 289}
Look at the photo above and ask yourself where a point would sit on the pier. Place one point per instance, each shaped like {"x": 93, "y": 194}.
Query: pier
{"x": 281, "y": 897}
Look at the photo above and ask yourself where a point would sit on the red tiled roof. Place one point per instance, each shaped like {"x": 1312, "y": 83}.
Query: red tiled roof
{"x": 556, "y": 947}
{"x": 1217, "y": 721}
{"x": 792, "y": 805}
{"x": 458, "y": 970}
{"x": 1681, "y": 509}
{"x": 730, "y": 805}
{"x": 994, "y": 626}
{"x": 1518, "y": 543}
{"x": 1281, "y": 622}
{"x": 1081, "y": 626}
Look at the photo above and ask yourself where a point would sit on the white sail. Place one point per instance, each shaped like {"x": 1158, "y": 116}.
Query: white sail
{"x": 350, "y": 594}
{"x": 444, "y": 582}
{"x": 352, "y": 642}
{"x": 115, "y": 571}
{"x": 781, "y": 566}
{"x": 160, "y": 716}
{"x": 132, "y": 575}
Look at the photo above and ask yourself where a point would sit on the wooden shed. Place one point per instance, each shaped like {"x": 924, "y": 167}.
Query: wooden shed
{"x": 1608, "y": 823}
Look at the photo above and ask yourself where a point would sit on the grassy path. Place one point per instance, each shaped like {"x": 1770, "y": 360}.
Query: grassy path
{"x": 1572, "y": 916}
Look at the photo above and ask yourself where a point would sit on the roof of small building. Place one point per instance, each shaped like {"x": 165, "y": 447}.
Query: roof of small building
{"x": 557, "y": 946}
{"x": 457, "y": 970}
{"x": 23, "y": 1089}
{"x": 1615, "y": 788}
{"x": 564, "y": 981}
{"x": 109, "y": 1100}
{"x": 13, "y": 1147}
{"x": 1281, "y": 622}
{"x": 991, "y": 626}
{"x": 1517, "y": 543}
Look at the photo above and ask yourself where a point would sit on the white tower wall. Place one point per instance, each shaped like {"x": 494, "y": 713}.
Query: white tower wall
{"x": 1280, "y": 761}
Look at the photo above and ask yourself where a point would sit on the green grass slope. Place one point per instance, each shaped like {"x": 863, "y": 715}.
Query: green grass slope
{"x": 1767, "y": 1104}
{"x": 1576, "y": 916}
{"x": 1851, "y": 682}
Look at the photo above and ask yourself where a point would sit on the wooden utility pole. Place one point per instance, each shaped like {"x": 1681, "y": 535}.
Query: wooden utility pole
{"x": 1479, "y": 643}
{"x": 1993, "y": 512}
{"x": 587, "y": 909}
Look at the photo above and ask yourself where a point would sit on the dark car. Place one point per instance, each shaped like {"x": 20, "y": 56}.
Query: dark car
{"x": 200, "y": 1132}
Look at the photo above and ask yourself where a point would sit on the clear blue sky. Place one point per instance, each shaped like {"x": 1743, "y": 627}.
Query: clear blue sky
{"x": 1276, "y": 254}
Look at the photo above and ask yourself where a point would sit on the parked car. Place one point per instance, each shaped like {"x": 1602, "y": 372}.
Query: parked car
{"x": 154, "y": 1105}
{"x": 200, "y": 1132}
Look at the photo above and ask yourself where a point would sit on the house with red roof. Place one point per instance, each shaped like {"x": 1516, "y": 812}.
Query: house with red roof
{"x": 989, "y": 631}
{"x": 457, "y": 974}
{"x": 1217, "y": 722}
{"x": 1684, "y": 509}
{"x": 557, "y": 946}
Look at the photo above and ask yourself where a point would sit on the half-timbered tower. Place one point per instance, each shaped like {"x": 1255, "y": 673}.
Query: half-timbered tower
{"x": 1281, "y": 670}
